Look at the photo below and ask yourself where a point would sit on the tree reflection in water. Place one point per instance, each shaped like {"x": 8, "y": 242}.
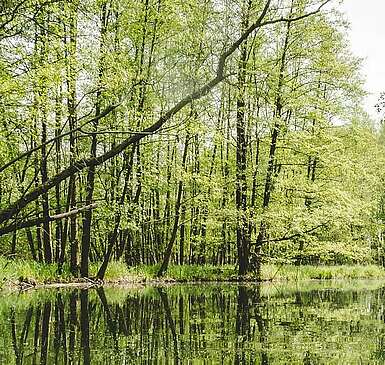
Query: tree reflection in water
{"x": 210, "y": 324}
{"x": 249, "y": 311}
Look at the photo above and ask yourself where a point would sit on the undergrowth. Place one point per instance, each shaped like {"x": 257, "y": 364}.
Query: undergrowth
{"x": 40, "y": 273}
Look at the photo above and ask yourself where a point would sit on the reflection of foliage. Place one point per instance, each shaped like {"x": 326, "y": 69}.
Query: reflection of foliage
{"x": 333, "y": 323}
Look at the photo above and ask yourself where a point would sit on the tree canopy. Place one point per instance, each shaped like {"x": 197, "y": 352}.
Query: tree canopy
{"x": 192, "y": 132}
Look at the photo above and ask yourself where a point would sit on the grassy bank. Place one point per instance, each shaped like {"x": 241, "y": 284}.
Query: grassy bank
{"x": 16, "y": 271}
{"x": 269, "y": 272}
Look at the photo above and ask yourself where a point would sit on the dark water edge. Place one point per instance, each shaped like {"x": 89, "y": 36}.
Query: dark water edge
{"x": 340, "y": 322}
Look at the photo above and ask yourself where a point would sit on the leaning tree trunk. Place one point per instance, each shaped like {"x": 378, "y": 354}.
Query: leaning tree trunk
{"x": 168, "y": 252}
{"x": 112, "y": 239}
{"x": 272, "y": 153}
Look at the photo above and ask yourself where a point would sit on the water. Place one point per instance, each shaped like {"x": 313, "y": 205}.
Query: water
{"x": 314, "y": 323}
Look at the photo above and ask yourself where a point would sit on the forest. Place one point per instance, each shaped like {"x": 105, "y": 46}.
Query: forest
{"x": 184, "y": 132}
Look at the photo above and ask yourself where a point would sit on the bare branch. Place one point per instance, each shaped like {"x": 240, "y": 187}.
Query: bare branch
{"x": 29, "y": 152}
{"x": 287, "y": 238}
{"x": 31, "y": 223}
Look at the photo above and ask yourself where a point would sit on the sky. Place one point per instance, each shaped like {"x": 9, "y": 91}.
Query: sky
{"x": 367, "y": 35}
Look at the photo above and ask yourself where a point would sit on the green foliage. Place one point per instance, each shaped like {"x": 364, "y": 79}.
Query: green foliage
{"x": 16, "y": 270}
{"x": 72, "y": 59}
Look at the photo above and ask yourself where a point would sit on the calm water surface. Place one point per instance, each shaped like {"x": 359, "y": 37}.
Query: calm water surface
{"x": 314, "y": 323}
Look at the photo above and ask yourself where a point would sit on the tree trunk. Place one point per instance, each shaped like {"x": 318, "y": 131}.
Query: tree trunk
{"x": 273, "y": 146}
{"x": 44, "y": 177}
{"x": 243, "y": 239}
{"x": 167, "y": 255}
{"x": 182, "y": 235}
{"x": 72, "y": 117}
{"x": 59, "y": 224}
{"x": 112, "y": 239}
{"x": 87, "y": 219}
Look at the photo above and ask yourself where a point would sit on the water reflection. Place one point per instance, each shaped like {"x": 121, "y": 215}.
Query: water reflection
{"x": 212, "y": 324}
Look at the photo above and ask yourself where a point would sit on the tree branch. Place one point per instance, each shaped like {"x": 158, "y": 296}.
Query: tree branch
{"x": 33, "y": 222}
{"x": 287, "y": 238}
{"x": 27, "y": 153}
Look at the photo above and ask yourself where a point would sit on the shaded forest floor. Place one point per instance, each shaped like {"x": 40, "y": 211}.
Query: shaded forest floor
{"x": 24, "y": 274}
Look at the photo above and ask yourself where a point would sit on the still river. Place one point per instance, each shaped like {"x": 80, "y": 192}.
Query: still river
{"x": 307, "y": 323}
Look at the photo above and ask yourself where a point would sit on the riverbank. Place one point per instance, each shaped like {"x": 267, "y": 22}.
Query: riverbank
{"x": 25, "y": 274}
